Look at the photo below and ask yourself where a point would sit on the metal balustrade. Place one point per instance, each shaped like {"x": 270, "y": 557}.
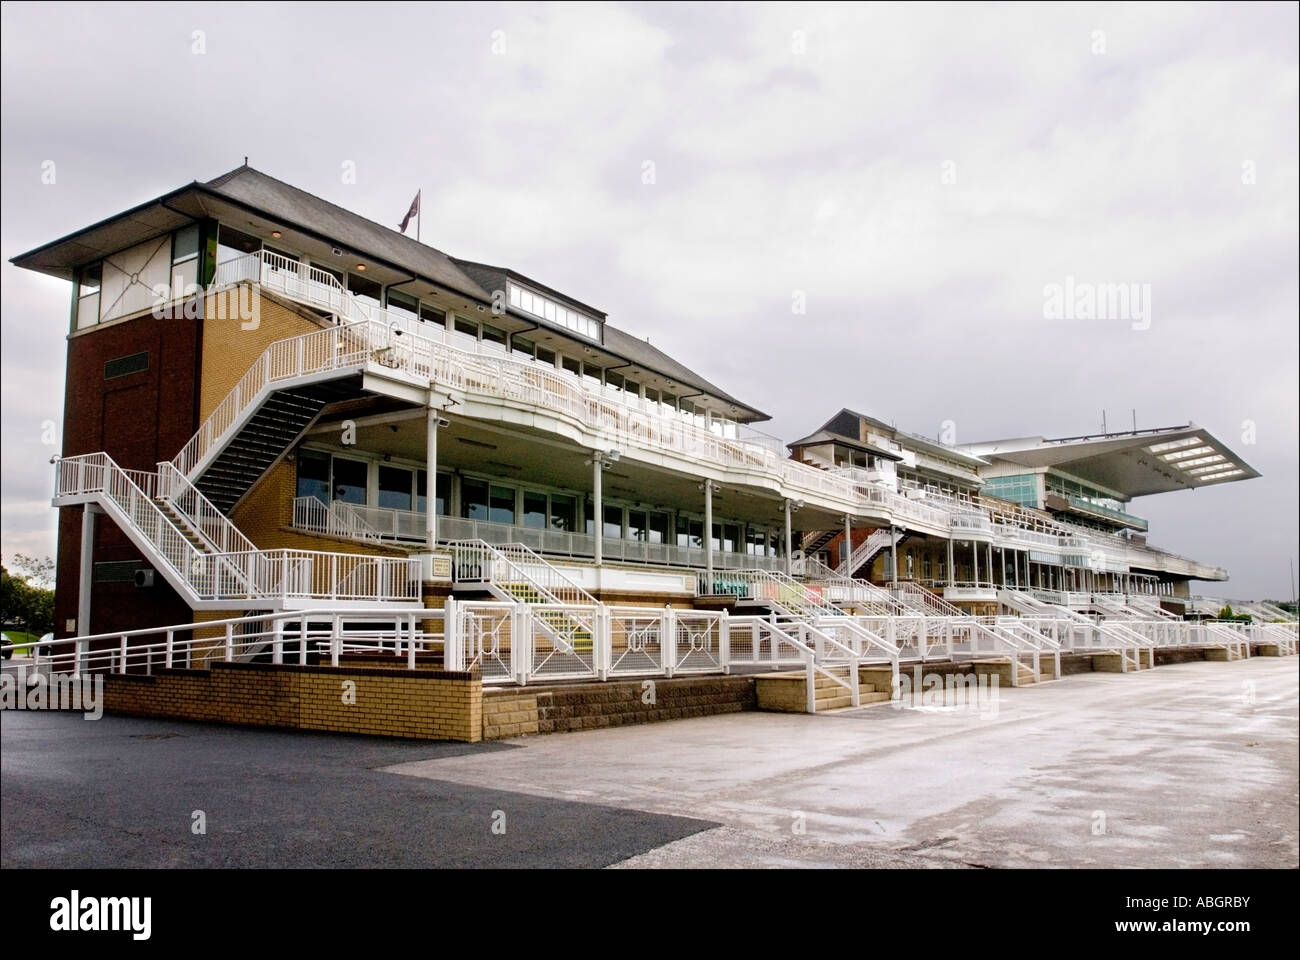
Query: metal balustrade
{"x": 243, "y": 576}
{"x": 278, "y": 637}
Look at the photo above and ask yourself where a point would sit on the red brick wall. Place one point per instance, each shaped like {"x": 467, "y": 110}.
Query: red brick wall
{"x": 138, "y": 420}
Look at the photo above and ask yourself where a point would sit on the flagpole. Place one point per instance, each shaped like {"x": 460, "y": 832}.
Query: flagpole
{"x": 419, "y": 216}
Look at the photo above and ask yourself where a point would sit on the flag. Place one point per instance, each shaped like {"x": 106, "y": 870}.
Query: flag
{"x": 413, "y": 212}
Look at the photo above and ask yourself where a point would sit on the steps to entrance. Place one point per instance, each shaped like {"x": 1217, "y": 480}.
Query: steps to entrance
{"x": 788, "y": 693}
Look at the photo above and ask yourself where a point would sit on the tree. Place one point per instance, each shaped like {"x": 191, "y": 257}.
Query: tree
{"x": 25, "y": 600}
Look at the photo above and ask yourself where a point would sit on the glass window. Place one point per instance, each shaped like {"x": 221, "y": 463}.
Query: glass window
{"x": 433, "y": 315}
{"x": 232, "y": 243}
{"x": 492, "y": 335}
{"x": 592, "y": 373}
{"x": 534, "y": 510}
{"x": 755, "y": 541}
{"x": 314, "y": 475}
{"x": 658, "y": 528}
{"x": 362, "y": 286}
{"x": 463, "y": 326}
{"x": 402, "y": 304}
{"x": 474, "y": 499}
{"x": 570, "y": 365}
{"x": 442, "y": 492}
{"x": 632, "y": 387}
{"x": 521, "y": 347}
{"x": 502, "y": 506}
{"x": 546, "y": 356}
{"x": 563, "y": 512}
{"x": 690, "y": 532}
{"x": 350, "y": 480}
{"x": 88, "y": 296}
{"x": 394, "y": 488}
{"x": 614, "y": 381}
{"x": 613, "y": 526}
{"x": 185, "y": 244}
{"x": 637, "y": 526}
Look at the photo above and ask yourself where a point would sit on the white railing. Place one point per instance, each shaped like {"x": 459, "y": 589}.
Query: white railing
{"x": 355, "y": 521}
{"x": 320, "y": 352}
{"x": 864, "y": 552}
{"x": 838, "y": 589}
{"x": 778, "y": 589}
{"x": 241, "y": 575}
{"x": 423, "y": 352}
{"x": 198, "y": 513}
{"x": 282, "y": 637}
{"x": 919, "y": 600}
{"x": 516, "y": 569}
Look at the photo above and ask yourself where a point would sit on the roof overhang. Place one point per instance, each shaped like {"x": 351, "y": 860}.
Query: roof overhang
{"x": 825, "y": 436}
{"x": 1133, "y": 464}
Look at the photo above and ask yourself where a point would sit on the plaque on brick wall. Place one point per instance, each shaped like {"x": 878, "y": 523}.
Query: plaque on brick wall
{"x": 439, "y": 567}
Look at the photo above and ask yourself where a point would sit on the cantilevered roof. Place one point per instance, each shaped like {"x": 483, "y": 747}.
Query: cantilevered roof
{"x": 1133, "y": 463}
{"x": 250, "y": 192}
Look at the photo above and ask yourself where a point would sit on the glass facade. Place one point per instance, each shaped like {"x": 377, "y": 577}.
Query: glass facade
{"x": 1021, "y": 488}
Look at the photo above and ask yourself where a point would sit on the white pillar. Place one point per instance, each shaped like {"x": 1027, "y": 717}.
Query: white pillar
{"x": 788, "y": 547}
{"x": 951, "y": 564}
{"x": 431, "y": 480}
{"x": 893, "y": 551}
{"x": 708, "y": 531}
{"x": 975, "y": 562}
{"x": 848, "y": 542}
{"x": 597, "y": 504}
{"x": 88, "y": 514}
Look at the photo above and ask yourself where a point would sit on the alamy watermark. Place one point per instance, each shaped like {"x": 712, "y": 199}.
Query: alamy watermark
{"x": 1076, "y": 300}
{"x": 26, "y": 689}
{"x": 949, "y": 692}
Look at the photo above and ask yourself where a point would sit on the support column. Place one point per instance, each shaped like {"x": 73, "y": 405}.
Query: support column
{"x": 975, "y": 562}
{"x": 597, "y": 506}
{"x": 708, "y": 531}
{"x": 789, "y": 568}
{"x": 432, "y": 422}
{"x": 893, "y": 550}
{"x": 87, "y": 574}
{"x": 951, "y": 564}
{"x": 848, "y": 542}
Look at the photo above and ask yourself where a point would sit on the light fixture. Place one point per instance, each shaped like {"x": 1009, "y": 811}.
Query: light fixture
{"x": 361, "y": 267}
{"x": 336, "y": 251}
{"x": 275, "y": 234}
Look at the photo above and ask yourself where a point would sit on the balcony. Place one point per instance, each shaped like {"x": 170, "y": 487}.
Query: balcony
{"x": 406, "y": 528}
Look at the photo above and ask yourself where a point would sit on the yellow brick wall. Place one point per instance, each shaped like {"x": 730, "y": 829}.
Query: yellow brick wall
{"x": 229, "y": 350}
{"x": 509, "y": 716}
{"x": 422, "y": 704}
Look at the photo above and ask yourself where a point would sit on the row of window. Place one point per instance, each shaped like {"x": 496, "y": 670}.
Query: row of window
{"x": 329, "y": 477}
{"x": 549, "y": 310}
{"x": 1021, "y": 488}
{"x": 1071, "y": 488}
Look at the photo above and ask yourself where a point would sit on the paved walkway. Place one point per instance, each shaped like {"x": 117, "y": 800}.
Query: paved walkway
{"x": 1185, "y": 765}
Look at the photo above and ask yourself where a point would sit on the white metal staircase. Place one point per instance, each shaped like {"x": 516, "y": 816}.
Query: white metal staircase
{"x": 512, "y": 572}
{"x": 207, "y": 561}
{"x": 864, "y": 552}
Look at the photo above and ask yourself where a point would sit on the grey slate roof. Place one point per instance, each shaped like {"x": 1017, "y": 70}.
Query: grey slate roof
{"x": 283, "y": 202}
{"x": 288, "y": 203}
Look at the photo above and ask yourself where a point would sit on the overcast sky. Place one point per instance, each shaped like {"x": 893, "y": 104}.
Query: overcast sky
{"x": 919, "y": 174}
